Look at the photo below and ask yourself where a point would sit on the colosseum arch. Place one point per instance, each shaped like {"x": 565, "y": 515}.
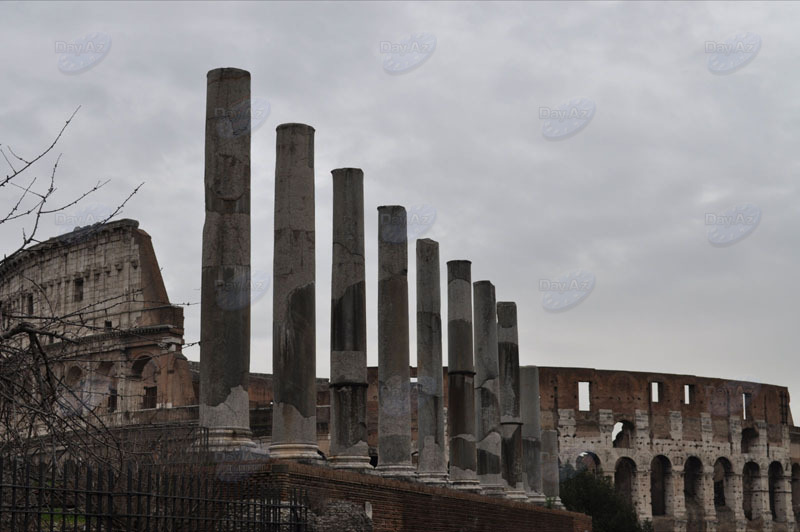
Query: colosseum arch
{"x": 623, "y": 434}
{"x": 693, "y": 492}
{"x": 625, "y": 479}
{"x": 724, "y": 494}
{"x": 751, "y": 478}
{"x": 661, "y": 485}
{"x": 589, "y": 461}
{"x": 776, "y": 502}
{"x": 144, "y": 373}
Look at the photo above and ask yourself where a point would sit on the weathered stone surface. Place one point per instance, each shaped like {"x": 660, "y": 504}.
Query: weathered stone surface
{"x": 510, "y": 419}
{"x": 432, "y": 465}
{"x": 349, "y": 448}
{"x": 487, "y": 388}
{"x": 225, "y": 291}
{"x": 550, "y": 479}
{"x": 293, "y": 303}
{"x": 531, "y": 432}
{"x": 394, "y": 375}
{"x": 461, "y": 377}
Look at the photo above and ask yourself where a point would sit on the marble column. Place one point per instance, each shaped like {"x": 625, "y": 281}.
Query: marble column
{"x": 432, "y": 466}
{"x": 294, "y": 411}
{"x": 487, "y": 389}
{"x": 510, "y": 416}
{"x": 461, "y": 377}
{"x": 530, "y": 412}
{"x": 550, "y": 476}
{"x": 394, "y": 375}
{"x": 348, "y": 384}
{"x": 225, "y": 295}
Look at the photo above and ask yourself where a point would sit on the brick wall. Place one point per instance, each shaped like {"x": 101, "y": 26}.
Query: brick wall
{"x": 406, "y": 506}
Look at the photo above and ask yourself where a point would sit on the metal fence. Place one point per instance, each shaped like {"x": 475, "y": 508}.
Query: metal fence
{"x": 81, "y": 497}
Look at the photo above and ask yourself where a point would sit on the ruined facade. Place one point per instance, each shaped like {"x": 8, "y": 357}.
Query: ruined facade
{"x": 691, "y": 453}
{"x": 101, "y": 287}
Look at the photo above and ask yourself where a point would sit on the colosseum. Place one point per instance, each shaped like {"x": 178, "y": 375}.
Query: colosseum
{"x": 691, "y": 453}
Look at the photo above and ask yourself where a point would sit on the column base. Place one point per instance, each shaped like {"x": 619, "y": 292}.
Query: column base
{"x": 227, "y": 440}
{"x": 537, "y": 498}
{"x": 433, "y": 478}
{"x": 405, "y": 472}
{"x": 558, "y": 504}
{"x": 295, "y": 451}
{"x": 493, "y": 490}
{"x": 472, "y": 486}
{"x": 349, "y": 462}
{"x": 516, "y": 495}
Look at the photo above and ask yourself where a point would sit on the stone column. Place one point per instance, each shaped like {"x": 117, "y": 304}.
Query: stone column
{"x": 225, "y": 295}
{"x": 510, "y": 415}
{"x": 432, "y": 466}
{"x": 530, "y": 412}
{"x": 487, "y": 389}
{"x": 394, "y": 375}
{"x": 349, "y": 447}
{"x": 461, "y": 377}
{"x": 294, "y": 411}
{"x": 550, "y": 478}
{"x": 709, "y": 511}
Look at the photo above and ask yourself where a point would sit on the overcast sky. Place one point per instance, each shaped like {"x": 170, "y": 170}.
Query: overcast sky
{"x": 667, "y": 132}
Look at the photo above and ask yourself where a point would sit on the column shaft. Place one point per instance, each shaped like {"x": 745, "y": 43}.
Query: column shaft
{"x": 225, "y": 294}
{"x": 294, "y": 414}
{"x": 394, "y": 376}
{"x": 430, "y": 410}
{"x": 530, "y": 412}
{"x": 550, "y": 478}
{"x": 487, "y": 389}
{"x": 348, "y": 384}
{"x": 461, "y": 377}
{"x": 510, "y": 416}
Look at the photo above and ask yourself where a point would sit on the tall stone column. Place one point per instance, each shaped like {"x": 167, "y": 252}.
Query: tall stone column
{"x": 510, "y": 415}
{"x": 394, "y": 375}
{"x": 461, "y": 377}
{"x": 709, "y": 511}
{"x": 294, "y": 413}
{"x": 432, "y": 466}
{"x": 225, "y": 294}
{"x": 487, "y": 389}
{"x": 550, "y": 479}
{"x": 530, "y": 412}
{"x": 348, "y": 384}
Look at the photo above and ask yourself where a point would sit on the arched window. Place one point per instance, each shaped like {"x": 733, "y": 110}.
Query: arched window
{"x": 776, "y": 501}
{"x": 796, "y": 491}
{"x": 660, "y": 485}
{"x": 749, "y": 440}
{"x": 73, "y": 378}
{"x": 625, "y": 478}
{"x": 144, "y": 369}
{"x": 750, "y": 480}
{"x": 623, "y": 435}
{"x": 588, "y": 460}
{"x": 693, "y": 492}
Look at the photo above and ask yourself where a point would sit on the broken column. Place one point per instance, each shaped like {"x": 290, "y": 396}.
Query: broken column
{"x": 530, "y": 412}
{"x": 510, "y": 419}
{"x": 225, "y": 294}
{"x": 294, "y": 426}
{"x": 487, "y": 389}
{"x": 550, "y": 477}
{"x": 461, "y": 377}
{"x": 432, "y": 466}
{"x": 348, "y": 384}
{"x": 394, "y": 376}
